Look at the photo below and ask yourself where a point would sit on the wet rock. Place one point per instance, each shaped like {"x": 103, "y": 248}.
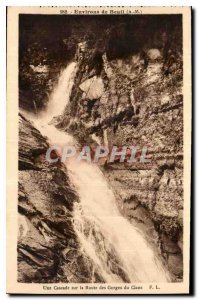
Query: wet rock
{"x": 169, "y": 245}
{"x": 175, "y": 263}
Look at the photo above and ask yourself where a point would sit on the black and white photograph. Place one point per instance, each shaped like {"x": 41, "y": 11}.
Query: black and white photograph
{"x": 99, "y": 112}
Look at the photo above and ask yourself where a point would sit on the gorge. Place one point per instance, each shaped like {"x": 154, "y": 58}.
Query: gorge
{"x": 80, "y": 222}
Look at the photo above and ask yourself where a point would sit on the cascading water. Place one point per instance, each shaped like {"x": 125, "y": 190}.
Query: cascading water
{"x": 118, "y": 251}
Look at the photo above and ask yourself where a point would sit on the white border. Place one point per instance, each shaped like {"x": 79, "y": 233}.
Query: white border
{"x": 3, "y": 106}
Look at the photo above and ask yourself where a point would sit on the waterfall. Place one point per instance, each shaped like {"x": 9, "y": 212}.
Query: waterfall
{"x": 118, "y": 250}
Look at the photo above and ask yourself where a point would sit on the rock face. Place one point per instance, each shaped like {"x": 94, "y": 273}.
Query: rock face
{"x": 142, "y": 104}
{"x": 48, "y": 249}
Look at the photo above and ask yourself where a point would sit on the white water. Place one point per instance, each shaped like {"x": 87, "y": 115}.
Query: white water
{"x": 106, "y": 237}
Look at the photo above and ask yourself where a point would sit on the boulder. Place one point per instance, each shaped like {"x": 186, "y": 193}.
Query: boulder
{"x": 92, "y": 87}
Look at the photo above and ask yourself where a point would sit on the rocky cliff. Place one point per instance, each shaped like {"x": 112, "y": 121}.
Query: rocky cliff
{"x": 137, "y": 100}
